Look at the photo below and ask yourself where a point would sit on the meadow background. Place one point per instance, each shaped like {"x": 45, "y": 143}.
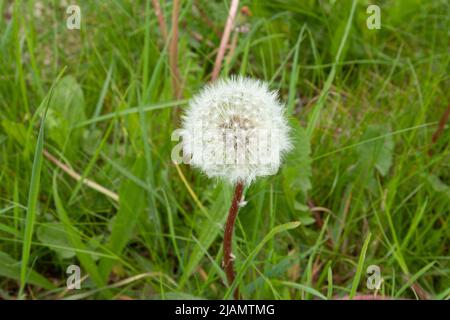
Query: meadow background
{"x": 91, "y": 182}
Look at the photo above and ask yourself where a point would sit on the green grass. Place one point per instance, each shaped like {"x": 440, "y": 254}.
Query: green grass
{"x": 361, "y": 187}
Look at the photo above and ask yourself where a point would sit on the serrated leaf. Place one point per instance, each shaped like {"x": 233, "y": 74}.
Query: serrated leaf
{"x": 297, "y": 170}
{"x": 377, "y": 151}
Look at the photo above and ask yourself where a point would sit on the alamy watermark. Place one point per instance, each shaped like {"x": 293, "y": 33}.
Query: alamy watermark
{"x": 374, "y": 20}
{"x": 228, "y": 147}
{"x": 374, "y": 278}
{"x": 73, "y": 21}
{"x": 74, "y": 279}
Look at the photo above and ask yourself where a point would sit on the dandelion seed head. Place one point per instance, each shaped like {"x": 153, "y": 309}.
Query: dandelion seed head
{"x": 236, "y": 129}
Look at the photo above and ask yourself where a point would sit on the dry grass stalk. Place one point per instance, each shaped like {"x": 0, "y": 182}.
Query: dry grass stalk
{"x": 91, "y": 184}
{"x": 160, "y": 17}
{"x": 173, "y": 51}
{"x": 224, "y": 41}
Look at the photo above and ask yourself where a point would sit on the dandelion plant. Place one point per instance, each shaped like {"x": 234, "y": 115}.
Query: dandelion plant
{"x": 235, "y": 130}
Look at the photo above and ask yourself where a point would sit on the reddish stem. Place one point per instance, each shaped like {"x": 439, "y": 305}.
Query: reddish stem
{"x": 228, "y": 236}
{"x": 440, "y": 128}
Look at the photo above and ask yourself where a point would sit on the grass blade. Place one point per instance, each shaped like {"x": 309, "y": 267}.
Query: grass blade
{"x": 85, "y": 259}
{"x": 34, "y": 192}
{"x": 131, "y": 205}
{"x": 309, "y": 290}
{"x": 359, "y": 269}
{"x": 10, "y": 268}
{"x": 414, "y": 278}
{"x": 252, "y": 255}
{"x": 323, "y": 95}
{"x": 31, "y": 207}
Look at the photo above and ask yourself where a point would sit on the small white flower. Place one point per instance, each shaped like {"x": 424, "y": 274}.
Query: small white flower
{"x": 236, "y": 129}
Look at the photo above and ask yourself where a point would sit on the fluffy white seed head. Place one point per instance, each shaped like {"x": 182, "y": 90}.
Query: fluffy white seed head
{"x": 236, "y": 129}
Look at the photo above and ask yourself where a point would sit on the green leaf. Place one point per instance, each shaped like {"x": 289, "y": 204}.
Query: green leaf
{"x": 54, "y": 235}
{"x": 276, "y": 271}
{"x": 303, "y": 214}
{"x": 131, "y": 205}
{"x": 251, "y": 257}
{"x": 208, "y": 230}
{"x": 297, "y": 172}
{"x": 10, "y": 268}
{"x": 15, "y": 130}
{"x": 414, "y": 278}
{"x": 437, "y": 185}
{"x": 10, "y": 230}
{"x": 295, "y": 73}
{"x": 73, "y": 235}
{"x": 315, "y": 114}
{"x": 374, "y": 152}
{"x": 33, "y": 191}
{"x": 299, "y": 286}
{"x": 177, "y": 296}
{"x": 378, "y": 152}
{"x": 32, "y": 206}
{"x": 297, "y": 168}
{"x": 359, "y": 268}
{"x": 66, "y": 110}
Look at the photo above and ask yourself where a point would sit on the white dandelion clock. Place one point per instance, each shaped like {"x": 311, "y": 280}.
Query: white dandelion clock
{"x": 236, "y": 129}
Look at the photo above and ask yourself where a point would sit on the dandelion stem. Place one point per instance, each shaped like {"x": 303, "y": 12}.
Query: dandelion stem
{"x": 228, "y": 236}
